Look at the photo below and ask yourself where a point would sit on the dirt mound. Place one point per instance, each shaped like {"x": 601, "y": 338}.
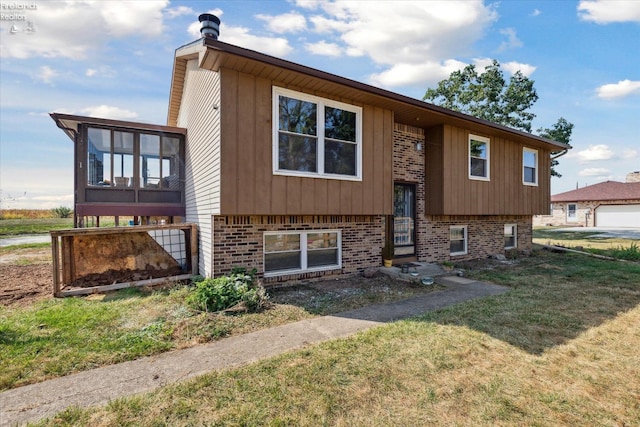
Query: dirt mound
{"x": 22, "y": 285}
{"x": 122, "y": 276}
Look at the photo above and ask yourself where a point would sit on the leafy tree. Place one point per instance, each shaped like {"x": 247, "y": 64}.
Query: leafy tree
{"x": 561, "y": 132}
{"x": 488, "y": 96}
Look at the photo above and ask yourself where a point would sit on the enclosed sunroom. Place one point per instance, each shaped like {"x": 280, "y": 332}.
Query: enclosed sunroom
{"x": 125, "y": 169}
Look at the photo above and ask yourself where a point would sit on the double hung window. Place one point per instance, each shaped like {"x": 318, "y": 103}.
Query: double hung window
{"x": 316, "y": 137}
{"x": 299, "y": 251}
{"x": 510, "y": 236}
{"x": 458, "y": 240}
{"x": 479, "y": 164}
{"x": 529, "y": 166}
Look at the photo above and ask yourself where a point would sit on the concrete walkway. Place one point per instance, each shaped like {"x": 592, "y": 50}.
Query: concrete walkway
{"x": 98, "y": 386}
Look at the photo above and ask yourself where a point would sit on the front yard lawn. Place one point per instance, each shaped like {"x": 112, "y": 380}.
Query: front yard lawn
{"x": 561, "y": 348}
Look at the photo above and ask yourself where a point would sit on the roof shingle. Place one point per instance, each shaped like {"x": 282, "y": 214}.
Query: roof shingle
{"x": 609, "y": 190}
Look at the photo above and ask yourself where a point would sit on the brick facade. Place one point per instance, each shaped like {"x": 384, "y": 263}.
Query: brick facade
{"x": 238, "y": 241}
{"x": 485, "y": 233}
{"x": 585, "y": 213}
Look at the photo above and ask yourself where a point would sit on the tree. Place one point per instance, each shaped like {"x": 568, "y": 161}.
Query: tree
{"x": 488, "y": 96}
{"x": 560, "y": 132}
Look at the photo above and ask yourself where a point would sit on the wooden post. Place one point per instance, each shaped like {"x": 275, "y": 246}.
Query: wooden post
{"x": 194, "y": 249}
{"x": 56, "y": 264}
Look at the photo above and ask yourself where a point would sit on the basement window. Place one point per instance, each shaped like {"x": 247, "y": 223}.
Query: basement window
{"x": 510, "y": 236}
{"x": 458, "y": 240}
{"x": 316, "y": 137}
{"x": 301, "y": 251}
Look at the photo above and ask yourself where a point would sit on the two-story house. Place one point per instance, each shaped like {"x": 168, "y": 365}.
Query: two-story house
{"x": 300, "y": 173}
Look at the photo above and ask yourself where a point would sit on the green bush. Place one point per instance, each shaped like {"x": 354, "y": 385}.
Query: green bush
{"x": 62, "y": 212}
{"x": 221, "y": 293}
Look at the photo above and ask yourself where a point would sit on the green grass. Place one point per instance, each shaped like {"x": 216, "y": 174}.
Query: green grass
{"x": 559, "y": 349}
{"x": 14, "y": 227}
{"x": 60, "y": 336}
{"x": 590, "y": 242}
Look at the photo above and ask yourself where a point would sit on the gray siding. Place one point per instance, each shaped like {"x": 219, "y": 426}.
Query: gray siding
{"x": 199, "y": 114}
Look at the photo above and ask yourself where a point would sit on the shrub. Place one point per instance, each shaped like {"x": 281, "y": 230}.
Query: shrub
{"x": 221, "y": 293}
{"x": 62, "y": 212}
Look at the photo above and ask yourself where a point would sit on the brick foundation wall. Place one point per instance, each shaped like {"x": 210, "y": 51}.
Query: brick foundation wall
{"x": 485, "y": 233}
{"x": 485, "y": 236}
{"x": 238, "y": 242}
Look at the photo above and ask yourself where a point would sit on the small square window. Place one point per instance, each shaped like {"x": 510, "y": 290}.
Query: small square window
{"x": 458, "y": 240}
{"x": 479, "y": 154}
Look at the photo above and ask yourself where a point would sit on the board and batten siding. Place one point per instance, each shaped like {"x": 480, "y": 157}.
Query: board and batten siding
{"x": 199, "y": 113}
{"x": 249, "y": 186}
{"x": 450, "y": 191}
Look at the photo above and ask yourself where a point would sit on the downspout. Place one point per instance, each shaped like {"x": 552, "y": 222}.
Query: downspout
{"x": 75, "y": 169}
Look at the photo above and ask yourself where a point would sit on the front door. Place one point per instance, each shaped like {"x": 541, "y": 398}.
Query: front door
{"x": 404, "y": 212}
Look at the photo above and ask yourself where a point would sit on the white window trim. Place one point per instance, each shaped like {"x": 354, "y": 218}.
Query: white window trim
{"x": 488, "y": 142}
{"x": 303, "y": 253}
{"x": 530, "y": 150}
{"x": 321, "y": 103}
{"x": 515, "y": 236}
{"x": 466, "y": 240}
{"x": 575, "y": 217}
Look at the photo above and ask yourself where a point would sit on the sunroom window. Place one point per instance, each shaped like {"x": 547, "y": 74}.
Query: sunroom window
{"x": 300, "y": 251}
{"x": 110, "y": 158}
{"x": 124, "y": 159}
{"x": 315, "y": 137}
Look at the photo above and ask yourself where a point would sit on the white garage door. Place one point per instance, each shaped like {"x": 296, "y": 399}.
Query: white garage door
{"x": 618, "y": 216}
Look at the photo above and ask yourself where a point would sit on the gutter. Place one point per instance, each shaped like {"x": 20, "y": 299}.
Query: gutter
{"x": 69, "y": 132}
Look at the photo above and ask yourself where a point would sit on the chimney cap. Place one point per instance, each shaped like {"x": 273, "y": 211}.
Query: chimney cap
{"x": 210, "y": 25}
{"x": 209, "y": 17}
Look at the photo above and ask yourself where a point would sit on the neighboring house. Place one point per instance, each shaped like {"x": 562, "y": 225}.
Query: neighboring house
{"x": 295, "y": 172}
{"x": 607, "y": 204}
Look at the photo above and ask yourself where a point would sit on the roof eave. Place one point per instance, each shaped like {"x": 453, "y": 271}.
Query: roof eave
{"x": 218, "y": 46}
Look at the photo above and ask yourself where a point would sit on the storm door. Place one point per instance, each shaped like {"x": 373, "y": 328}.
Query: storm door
{"x": 404, "y": 212}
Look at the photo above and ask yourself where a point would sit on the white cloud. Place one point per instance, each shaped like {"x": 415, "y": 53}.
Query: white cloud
{"x": 285, "y": 23}
{"x": 413, "y": 74}
{"x": 595, "y": 172}
{"x": 410, "y": 32}
{"x": 46, "y": 74}
{"x": 324, "y": 48}
{"x": 415, "y": 41}
{"x": 536, "y": 12}
{"x": 103, "y": 72}
{"x": 512, "y": 67}
{"x": 240, "y": 36}
{"x": 512, "y": 40}
{"x": 174, "y": 12}
{"x": 607, "y": 11}
{"x": 620, "y": 89}
{"x": 593, "y": 153}
{"x": 109, "y": 112}
{"x": 73, "y": 29}
{"x": 629, "y": 153}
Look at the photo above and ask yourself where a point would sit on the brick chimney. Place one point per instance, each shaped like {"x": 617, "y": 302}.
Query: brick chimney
{"x": 633, "y": 177}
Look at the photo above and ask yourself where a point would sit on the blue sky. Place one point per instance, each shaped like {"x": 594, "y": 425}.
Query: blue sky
{"x": 114, "y": 59}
